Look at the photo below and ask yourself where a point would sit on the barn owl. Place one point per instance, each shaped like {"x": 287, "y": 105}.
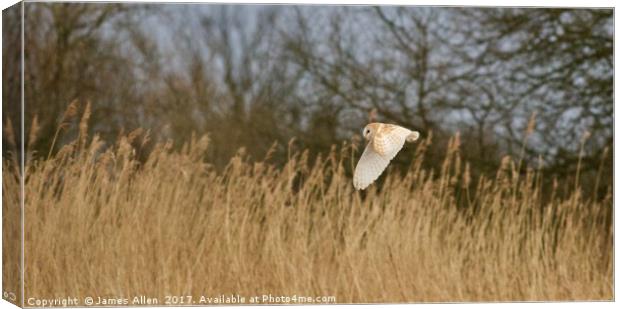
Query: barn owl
{"x": 384, "y": 142}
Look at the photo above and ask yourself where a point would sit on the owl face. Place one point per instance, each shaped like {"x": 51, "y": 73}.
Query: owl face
{"x": 366, "y": 133}
{"x": 369, "y": 131}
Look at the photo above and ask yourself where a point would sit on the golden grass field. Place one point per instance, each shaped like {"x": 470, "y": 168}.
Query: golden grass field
{"x": 98, "y": 223}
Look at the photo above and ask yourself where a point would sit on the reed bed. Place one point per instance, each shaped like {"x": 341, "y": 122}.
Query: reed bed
{"x": 102, "y": 222}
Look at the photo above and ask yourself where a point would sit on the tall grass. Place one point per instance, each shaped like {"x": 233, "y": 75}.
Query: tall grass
{"x": 99, "y": 222}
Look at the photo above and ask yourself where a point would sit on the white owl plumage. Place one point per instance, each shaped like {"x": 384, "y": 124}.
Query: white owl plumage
{"x": 384, "y": 142}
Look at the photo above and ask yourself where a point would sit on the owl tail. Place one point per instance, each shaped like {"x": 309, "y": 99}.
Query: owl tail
{"x": 413, "y": 136}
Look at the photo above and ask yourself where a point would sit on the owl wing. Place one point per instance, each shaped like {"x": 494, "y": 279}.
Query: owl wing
{"x": 368, "y": 168}
{"x": 378, "y": 154}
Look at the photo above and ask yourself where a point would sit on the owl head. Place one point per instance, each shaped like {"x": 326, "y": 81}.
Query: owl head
{"x": 369, "y": 130}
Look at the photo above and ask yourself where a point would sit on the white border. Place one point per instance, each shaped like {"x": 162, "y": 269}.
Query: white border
{"x": 512, "y": 3}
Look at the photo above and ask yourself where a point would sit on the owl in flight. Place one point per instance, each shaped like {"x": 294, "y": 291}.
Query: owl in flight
{"x": 384, "y": 142}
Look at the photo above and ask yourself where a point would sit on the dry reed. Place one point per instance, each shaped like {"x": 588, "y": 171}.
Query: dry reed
{"x": 101, "y": 223}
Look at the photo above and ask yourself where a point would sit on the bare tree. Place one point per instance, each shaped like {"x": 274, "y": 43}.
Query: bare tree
{"x": 84, "y": 52}
{"x": 236, "y": 86}
{"x": 561, "y": 66}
